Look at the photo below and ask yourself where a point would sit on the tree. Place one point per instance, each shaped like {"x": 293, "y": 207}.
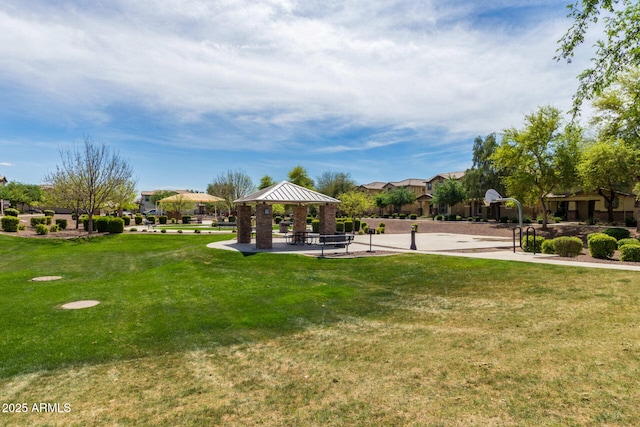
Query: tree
{"x": 161, "y": 194}
{"x": 450, "y": 192}
{"x": 231, "y": 186}
{"x": 299, "y": 176}
{"x": 180, "y": 204}
{"x": 335, "y": 183}
{"x": 608, "y": 167}
{"x": 266, "y": 181}
{"x": 91, "y": 176}
{"x": 382, "y": 201}
{"x": 398, "y": 197}
{"x": 356, "y": 203}
{"x": 538, "y": 159}
{"x": 18, "y": 193}
{"x": 616, "y": 52}
{"x": 483, "y": 174}
{"x": 124, "y": 197}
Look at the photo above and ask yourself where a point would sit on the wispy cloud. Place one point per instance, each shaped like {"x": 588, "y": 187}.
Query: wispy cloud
{"x": 6, "y": 164}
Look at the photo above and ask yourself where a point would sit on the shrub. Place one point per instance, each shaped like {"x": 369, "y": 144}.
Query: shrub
{"x": 364, "y": 228}
{"x": 628, "y": 222}
{"x": 101, "y": 223}
{"x": 439, "y": 218}
{"x": 413, "y": 216}
{"x": 528, "y": 242}
{"x": 162, "y": 219}
{"x": 22, "y": 226}
{"x": 630, "y": 241}
{"x": 601, "y": 245}
{"x": 232, "y": 218}
{"x": 180, "y": 231}
{"x": 402, "y": 216}
{"x": 151, "y": 219}
{"x": 186, "y": 219}
{"x": 617, "y": 233}
{"x": 380, "y": 230}
{"x": 133, "y": 229}
{"x": 127, "y": 220}
{"x": 504, "y": 219}
{"x": 340, "y": 226}
{"x": 61, "y": 223}
{"x": 115, "y": 225}
{"x": 514, "y": 220}
{"x": 137, "y": 219}
{"x": 348, "y": 226}
{"x": 10, "y": 223}
{"x": 452, "y": 217}
{"x": 382, "y": 224}
{"x": 630, "y": 253}
{"x": 49, "y": 212}
{"x": 315, "y": 225}
{"x": 35, "y": 220}
{"x": 548, "y": 247}
{"x": 356, "y": 224}
{"x": 309, "y": 219}
{"x": 568, "y": 246}
{"x": 54, "y": 228}
{"x": 278, "y": 219}
{"x": 42, "y": 229}
{"x": 11, "y": 212}
{"x": 164, "y": 230}
{"x": 196, "y": 231}
{"x": 557, "y": 219}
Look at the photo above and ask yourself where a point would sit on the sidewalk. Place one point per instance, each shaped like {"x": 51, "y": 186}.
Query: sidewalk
{"x": 486, "y": 247}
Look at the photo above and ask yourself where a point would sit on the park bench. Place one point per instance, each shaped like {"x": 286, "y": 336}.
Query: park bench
{"x": 335, "y": 240}
{"x": 222, "y": 225}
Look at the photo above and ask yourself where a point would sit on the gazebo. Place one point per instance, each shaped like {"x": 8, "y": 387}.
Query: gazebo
{"x": 285, "y": 193}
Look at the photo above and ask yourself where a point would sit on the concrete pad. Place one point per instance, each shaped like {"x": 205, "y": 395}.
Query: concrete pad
{"x": 80, "y": 304}
{"x": 46, "y": 278}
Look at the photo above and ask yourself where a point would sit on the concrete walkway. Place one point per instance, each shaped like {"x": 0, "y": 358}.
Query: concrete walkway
{"x": 487, "y": 247}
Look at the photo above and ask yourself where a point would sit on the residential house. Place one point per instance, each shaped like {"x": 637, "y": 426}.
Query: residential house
{"x": 461, "y": 209}
{"x": 581, "y": 206}
{"x": 145, "y": 199}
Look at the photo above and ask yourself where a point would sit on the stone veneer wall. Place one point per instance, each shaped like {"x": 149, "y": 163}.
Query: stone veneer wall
{"x": 327, "y": 218}
{"x": 264, "y": 233}
{"x": 244, "y": 224}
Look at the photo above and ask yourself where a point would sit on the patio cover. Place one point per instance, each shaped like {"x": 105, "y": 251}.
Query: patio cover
{"x": 287, "y": 193}
{"x": 192, "y": 197}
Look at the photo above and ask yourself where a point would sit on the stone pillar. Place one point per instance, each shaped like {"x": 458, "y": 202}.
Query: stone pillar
{"x": 264, "y": 232}
{"x": 328, "y": 219}
{"x": 299, "y": 218}
{"x": 244, "y": 224}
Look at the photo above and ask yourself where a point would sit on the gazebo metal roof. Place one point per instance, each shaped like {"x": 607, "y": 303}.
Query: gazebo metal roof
{"x": 287, "y": 193}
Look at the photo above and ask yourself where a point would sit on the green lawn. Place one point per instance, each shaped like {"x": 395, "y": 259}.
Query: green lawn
{"x": 186, "y": 335}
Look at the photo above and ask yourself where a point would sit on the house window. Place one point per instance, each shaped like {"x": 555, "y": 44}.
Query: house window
{"x": 429, "y": 188}
{"x": 146, "y": 198}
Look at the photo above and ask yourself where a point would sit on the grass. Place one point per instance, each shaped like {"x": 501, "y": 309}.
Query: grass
{"x": 186, "y": 335}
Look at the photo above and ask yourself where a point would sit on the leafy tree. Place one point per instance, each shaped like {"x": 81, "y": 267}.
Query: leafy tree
{"x": 381, "y": 200}
{"x": 450, "y": 192}
{"x": 356, "y": 203}
{"x": 231, "y": 186}
{"x": 538, "y": 159}
{"x": 91, "y": 176}
{"x": 615, "y": 52}
{"x": 180, "y": 204}
{"x": 399, "y": 197}
{"x": 608, "y": 167}
{"x": 299, "y": 176}
{"x": 335, "y": 183}
{"x": 124, "y": 197}
{"x": 483, "y": 174}
{"x": 266, "y": 181}
{"x": 18, "y": 193}
{"x": 161, "y": 194}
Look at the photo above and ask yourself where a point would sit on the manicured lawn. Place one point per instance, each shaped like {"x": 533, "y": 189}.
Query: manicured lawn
{"x": 186, "y": 335}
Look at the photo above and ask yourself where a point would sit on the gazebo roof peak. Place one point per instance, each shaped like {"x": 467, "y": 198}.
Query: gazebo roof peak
{"x": 286, "y": 192}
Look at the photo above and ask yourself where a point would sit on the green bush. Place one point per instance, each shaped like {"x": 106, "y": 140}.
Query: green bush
{"x": 402, "y": 216}
{"x": 164, "y": 230}
{"x": 315, "y": 225}
{"x": 629, "y": 241}
{"x": 132, "y": 229}
{"x": 340, "y": 226}
{"x": 115, "y": 225}
{"x": 504, "y": 219}
{"x": 380, "y": 230}
{"x": 628, "y": 222}
{"x": 630, "y": 253}
{"x": 162, "y": 219}
{"x": 42, "y": 229}
{"x": 348, "y": 226}
{"x": 548, "y": 247}
{"x": 49, "y": 212}
{"x": 364, "y": 228}
{"x": 617, "y": 233}
{"x": 232, "y": 218}
{"x": 568, "y": 246}
{"x": 309, "y": 219}
{"x": 61, "y": 223}
{"x": 601, "y": 245}
{"x": 452, "y": 217}
{"x": 151, "y": 219}
{"x": 127, "y": 220}
{"x": 101, "y": 224}
{"x": 137, "y": 219}
{"x": 413, "y": 216}
{"x": 10, "y": 223}
{"x": 54, "y": 228}
{"x": 528, "y": 242}
{"x": 11, "y": 212}
{"x": 277, "y": 219}
{"x": 186, "y": 219}
{"x": 35, "y": 220}
{"x": 356, "y": 225}
{"x": 439, "y": 218}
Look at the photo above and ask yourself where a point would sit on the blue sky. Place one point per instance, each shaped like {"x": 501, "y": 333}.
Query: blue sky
{"x": 384, "y": 90}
